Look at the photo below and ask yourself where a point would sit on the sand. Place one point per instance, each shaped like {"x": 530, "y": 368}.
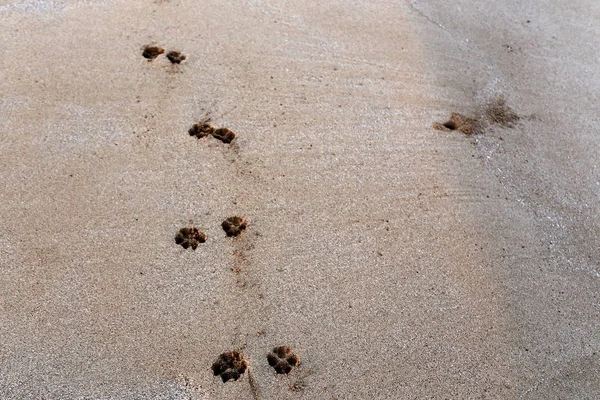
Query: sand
{"x": 396, "y": 260}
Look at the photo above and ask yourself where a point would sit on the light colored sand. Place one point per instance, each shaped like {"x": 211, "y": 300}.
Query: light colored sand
{"x": 398, "y": 261}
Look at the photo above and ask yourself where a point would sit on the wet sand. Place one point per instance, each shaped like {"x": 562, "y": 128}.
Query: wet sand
{"x": 396, "y": 260}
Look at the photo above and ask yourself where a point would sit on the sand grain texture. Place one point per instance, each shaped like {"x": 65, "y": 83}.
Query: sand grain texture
{"x": 397, "y": 261}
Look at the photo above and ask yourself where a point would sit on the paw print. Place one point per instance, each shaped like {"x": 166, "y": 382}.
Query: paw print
{"x": 151, "y": 52}
{"x": 225, "y": 135}
{"x": 201, "y": 129}
{"x": 190, "y": 237}
{"x": 282, "y": 359}
{"x": 230, "y": 365}
{"x": 176, "y": 57}
{"x": 233, "y": 226}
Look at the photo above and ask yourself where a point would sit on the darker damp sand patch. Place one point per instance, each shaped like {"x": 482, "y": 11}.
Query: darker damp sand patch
{"x": 461, "y": 123}
{"x": 230, "y": 366}
{"x": 176, "y": 57}
{"x": 498, "y": 112}
{"x": 233, "y": 226}
{"x": 190, "y": 237}
{"x": 151, "y": 52}
{"x": 282, "y": 359}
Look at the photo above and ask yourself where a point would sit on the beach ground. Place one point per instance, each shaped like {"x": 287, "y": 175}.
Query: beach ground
{"x": 401, "y": 251}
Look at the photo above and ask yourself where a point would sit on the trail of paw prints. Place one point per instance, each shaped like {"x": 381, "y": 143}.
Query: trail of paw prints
{"x": 190, "y": 237}
{"x": 203, "y": 129}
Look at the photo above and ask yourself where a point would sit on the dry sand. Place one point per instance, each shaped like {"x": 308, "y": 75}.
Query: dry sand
{"x": 398, "y": 261}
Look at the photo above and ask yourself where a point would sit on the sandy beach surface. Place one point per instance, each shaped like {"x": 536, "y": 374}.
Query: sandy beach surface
{"x": 396, "y": 260}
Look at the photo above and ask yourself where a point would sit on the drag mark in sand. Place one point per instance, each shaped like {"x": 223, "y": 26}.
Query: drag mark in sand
{"x": 253, "y": 387}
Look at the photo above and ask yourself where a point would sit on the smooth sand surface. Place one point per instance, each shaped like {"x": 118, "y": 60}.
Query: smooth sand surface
{"x": 398, "y": 261}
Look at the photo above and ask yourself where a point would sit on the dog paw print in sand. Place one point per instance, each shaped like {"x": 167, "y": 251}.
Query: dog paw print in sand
{"x": 282, "y": 359}
{"x": 225, "y": 135}
{"x": 204, "y": 128}
{"x": 230, "y": 366}
{"x": 176, "y": 57}
{"x": 190, "y": 237}
{"x": 151, "y": 52}
{"x": 459, "y": 122}
{"x": 233, "y": 226}
{"x": 201, "y": 129}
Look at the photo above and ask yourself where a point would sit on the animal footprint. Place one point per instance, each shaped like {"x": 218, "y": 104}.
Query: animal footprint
{"x": 201, "y": 129}
{"x": 230, "y": 365}
{"x": 225, "y": 135}
{"x": 459, "y": 122}
{"x": 204, "y": 128}
{"x": 176, "y": 57}
{"x": 151, "y": 52}
{"x": 190, "y": 237}
{"x": 233, "y": 226}
{"x": 282, "y": 359}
